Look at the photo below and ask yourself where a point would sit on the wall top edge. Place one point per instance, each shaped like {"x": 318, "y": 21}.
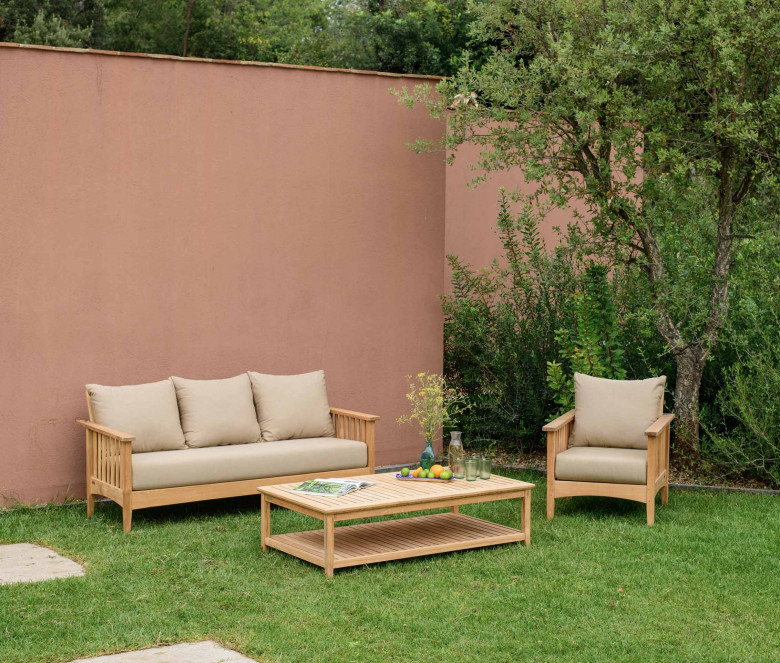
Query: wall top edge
{"x": 279, "y": 65}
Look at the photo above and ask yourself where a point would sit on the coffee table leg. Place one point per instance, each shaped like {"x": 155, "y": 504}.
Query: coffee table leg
{"x": 265, "y": 522}
{"x": 525, "y": 520}
{"x": 329, "y": 545}
{"x": 454, "y": 509}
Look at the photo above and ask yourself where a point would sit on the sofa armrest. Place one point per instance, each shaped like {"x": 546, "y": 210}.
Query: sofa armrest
{"x": 109, "y": 462}
{"x": 105, "y": 430}
{"x": 657, "y": 427}
{"x": 358, "y": 426}
{"x": 354, "y": 415}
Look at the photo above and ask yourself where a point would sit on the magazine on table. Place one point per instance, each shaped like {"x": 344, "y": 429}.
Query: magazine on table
{"x": 332, "y": 487}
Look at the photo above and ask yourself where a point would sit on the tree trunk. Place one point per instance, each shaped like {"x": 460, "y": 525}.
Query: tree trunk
{"x": 690, "y": 368}
{"x": 187, "y": 29}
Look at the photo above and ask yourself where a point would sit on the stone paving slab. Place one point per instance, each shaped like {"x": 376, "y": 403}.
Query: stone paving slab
{"x": 188, "y": 652}
{"x": 25, "y": 562}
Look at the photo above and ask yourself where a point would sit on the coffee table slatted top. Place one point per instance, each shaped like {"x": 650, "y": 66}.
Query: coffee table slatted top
{"x": 390, "y": 491}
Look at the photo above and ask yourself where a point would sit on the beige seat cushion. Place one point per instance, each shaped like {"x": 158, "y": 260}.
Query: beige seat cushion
{"x": 602, "y": 465}
{"x": 192, "y": 467}
{"x": 148, "y": 411}
{"x": 215, "y": 412}
{"x": 615, "y": 413}
{"x": 292, "y": 406}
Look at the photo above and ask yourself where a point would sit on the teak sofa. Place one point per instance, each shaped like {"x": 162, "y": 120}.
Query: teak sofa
{"x": 621, "y": 448}
{"x": 223, "y": 438}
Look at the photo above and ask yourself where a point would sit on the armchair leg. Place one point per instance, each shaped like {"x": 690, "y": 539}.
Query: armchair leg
{"x": 651, "y": 511}
{"x": 665, "y": 492}
{"x": 90, "y": 503}
{"x": 550, "y": 506}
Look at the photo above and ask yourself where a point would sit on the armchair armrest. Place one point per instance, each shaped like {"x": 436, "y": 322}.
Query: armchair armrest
{"x": 560, "y": 422}
{"x": 657, "y": 427}
{"x": 105, "y": 430}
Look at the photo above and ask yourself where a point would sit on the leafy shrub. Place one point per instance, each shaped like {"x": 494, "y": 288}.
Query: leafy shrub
{"x": 500, "y": 327}
{"x": 591, "y": 340}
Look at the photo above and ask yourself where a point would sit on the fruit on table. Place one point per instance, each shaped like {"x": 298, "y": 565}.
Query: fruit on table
{"x": 436, "y": 472}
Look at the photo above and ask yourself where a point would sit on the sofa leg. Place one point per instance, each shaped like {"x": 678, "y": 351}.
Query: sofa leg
{"x": 665, "y": 494}
{"x": 550, "y": 507}
{"x": 127, "y": 518}
{"x": 651, "y": 511}
{"x": 90, "y": 504}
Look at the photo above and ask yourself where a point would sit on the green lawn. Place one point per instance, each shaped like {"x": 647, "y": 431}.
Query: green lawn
{"x": 702, "y": 585}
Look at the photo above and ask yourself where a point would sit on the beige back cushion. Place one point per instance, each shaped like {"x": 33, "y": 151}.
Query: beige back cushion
{"x": 615, "y": 413}
{"x": 148, "y": 411}
{"x": 292, "y": 406}
{"x": 215, "y": 412}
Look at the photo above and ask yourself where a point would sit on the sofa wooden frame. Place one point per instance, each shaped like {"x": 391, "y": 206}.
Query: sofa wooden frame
{"x": 110, "y": 468}
{"x": 558, "y": 433}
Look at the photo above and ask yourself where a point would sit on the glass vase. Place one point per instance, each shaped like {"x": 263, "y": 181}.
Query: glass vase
{"x": 455, "y": 455}
{"x": 427, "y": 456}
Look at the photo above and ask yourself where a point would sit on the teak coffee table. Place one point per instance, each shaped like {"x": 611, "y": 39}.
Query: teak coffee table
{"x": 336, "y": 547}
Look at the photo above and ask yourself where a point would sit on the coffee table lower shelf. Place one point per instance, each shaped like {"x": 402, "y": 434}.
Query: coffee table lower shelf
{"x": 396, "y": 539}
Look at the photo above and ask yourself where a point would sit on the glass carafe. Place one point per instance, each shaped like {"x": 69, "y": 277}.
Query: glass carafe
{"x": 455, "y": 453}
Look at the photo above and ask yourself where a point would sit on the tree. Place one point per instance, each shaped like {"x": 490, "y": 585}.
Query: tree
{"x": 660, "y": 115}
{"x": 76, "y": 23}
{"x": 257, "y": 30}
{"x": 404, "y": 36}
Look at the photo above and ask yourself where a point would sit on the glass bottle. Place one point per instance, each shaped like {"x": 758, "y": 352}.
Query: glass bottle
{"x": 455, "y": 453}
{"x": 427, "y": 456}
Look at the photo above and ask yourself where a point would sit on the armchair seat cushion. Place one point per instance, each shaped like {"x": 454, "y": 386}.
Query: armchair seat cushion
{"x": 204, "y": 465}
{"x": 602, "y": 465}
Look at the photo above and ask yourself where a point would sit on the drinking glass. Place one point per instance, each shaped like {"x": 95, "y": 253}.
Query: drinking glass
{"x": 472, "y": 469}
{"x": 484, "y": 467}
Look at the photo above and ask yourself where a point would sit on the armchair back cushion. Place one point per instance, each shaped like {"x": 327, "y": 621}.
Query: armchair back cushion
{"x": 615, "y": 413}
{"x": 148, "y": 411}
{"x": 215, "y": 412}
{"x": 292, "y": 406}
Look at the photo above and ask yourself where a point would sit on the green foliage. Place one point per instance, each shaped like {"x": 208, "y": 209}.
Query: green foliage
{"x": 408, "y": 36}
{"x": 76, "y": 23}
{"x": 591, "y": 342}
{"x": 743, "y": 405}
{"x": 405, "y": 36}
{"x": 499, "y": 330}
{"x": 51, "y": 31}
{"x": 751, "y": 398}
{"x": 660, "y": 117}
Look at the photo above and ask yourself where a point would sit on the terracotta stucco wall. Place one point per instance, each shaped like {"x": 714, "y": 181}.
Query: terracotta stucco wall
{"x": 183, "y": 218}
{"x": 472, "y": 211}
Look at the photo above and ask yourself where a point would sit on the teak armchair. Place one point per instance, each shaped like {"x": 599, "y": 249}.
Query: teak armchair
{"x": 657, "y": 476}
